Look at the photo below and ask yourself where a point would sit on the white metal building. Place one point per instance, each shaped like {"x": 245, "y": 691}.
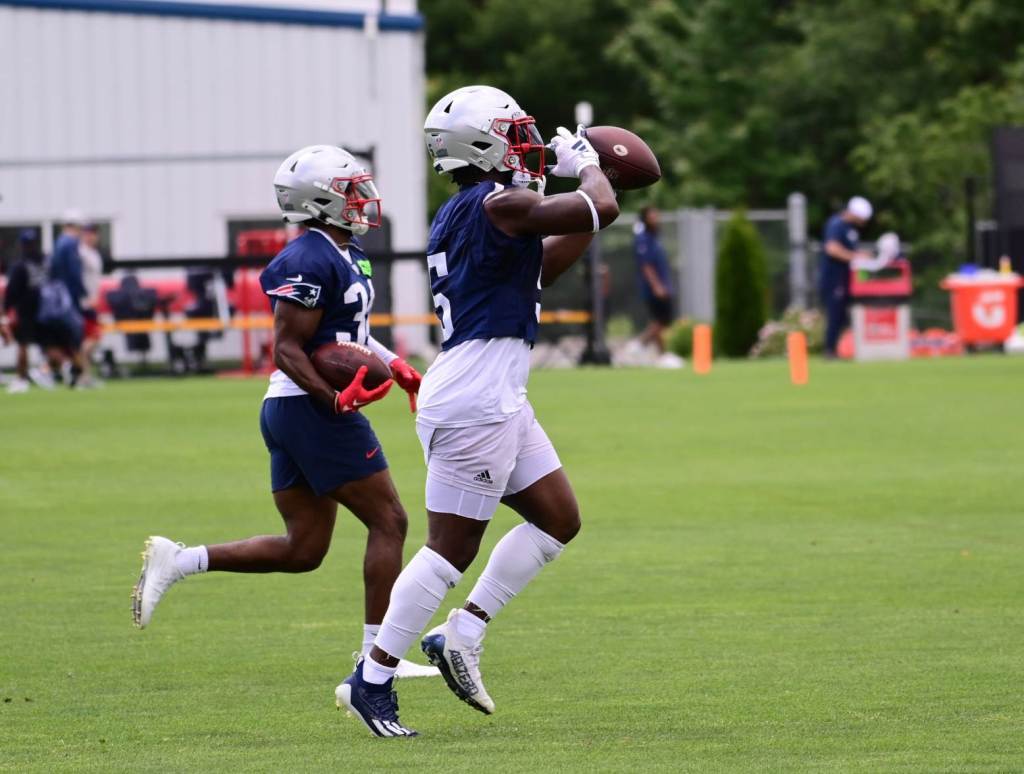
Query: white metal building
{"x": 168, "y": 118}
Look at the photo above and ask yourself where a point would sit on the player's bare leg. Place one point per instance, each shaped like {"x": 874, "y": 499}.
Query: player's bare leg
{"x": 654, "y": 334}
{"x": 309, "y": 524}
{"x": 375, "y": 502}
{"x": 550, "y": 505}
{"x": 456, "y": 540}
{"x": 452, "y": 544}
{"x": 552, "y": 515}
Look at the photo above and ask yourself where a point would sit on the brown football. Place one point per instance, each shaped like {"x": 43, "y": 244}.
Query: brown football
{"x": 337, "y": 363}
{"x": 625, "y": 158}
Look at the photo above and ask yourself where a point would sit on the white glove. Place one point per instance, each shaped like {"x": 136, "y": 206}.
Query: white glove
{"x": 573, "y": 151}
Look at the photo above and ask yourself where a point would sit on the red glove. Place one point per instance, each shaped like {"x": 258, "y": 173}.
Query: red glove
{"x": 355, "y": 396}
{"x": 408, "y": 379}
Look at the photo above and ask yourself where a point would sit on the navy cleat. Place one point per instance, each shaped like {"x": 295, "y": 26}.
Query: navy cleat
{"x": 459, "y": 662}
{"x": 375, "y": 705}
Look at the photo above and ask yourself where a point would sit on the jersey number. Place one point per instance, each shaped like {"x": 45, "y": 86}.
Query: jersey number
{"x": 439, "y": 263}
{"x": 356, "y": 293}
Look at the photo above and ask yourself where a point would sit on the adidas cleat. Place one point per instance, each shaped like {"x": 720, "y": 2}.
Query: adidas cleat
{"x": 459, "y": 662}
{"x": 159, "y": 573}
{"x": 375, "y": 705}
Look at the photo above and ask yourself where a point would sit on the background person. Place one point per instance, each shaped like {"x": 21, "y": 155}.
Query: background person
{"x": 655, "y": 279}
{"x": 839, "y": 249}
{"x": 24, "y": 279}
{"x": 92, "y": 274}
{"x": 66, "y": 267}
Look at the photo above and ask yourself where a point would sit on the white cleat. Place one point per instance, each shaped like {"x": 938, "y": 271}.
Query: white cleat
{"x": 407, "y": 669}
{"x": 458, "y": 658}
{"x": 159, "y": 573}
{"x": 670, "y": 360}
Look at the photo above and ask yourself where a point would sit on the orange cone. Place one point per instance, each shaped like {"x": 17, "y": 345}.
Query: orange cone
{"x": 796, "y": 345}
{"x": 702, "y": 348}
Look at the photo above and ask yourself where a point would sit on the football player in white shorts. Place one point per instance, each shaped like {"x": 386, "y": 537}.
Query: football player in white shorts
{"x": 492, "y": 246}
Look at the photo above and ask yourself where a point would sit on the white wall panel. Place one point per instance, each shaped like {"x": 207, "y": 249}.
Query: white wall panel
{"x": 141, "y": 119}
{"x": 358, "y": 6}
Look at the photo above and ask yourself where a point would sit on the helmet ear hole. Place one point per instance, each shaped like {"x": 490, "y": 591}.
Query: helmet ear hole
{"x": 322, "y": 202}
{"x": 481, "y": 145}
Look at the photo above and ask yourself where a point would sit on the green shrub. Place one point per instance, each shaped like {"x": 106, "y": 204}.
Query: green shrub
{"x": 679, "y": 338}
{"x": 741, "y": 288}
{"x": 620, "y": 326}
{"x": 771, "y": 339}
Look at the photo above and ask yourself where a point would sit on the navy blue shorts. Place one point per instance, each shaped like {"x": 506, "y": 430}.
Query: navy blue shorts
{"x": 309, "y": 444}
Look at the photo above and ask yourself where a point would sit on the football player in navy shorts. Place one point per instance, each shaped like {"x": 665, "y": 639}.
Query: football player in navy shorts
{"x": 493, "y": 245}
{"x": 322, "y": 449}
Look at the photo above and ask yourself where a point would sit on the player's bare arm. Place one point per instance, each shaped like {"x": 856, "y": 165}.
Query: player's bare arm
{"x": 521, "y": 211}
{"x": 561, "y": 252}
{"x": 294, "y": 325}
{"x": 569, "y": 221}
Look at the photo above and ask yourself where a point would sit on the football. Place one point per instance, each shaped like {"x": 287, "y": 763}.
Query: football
{"x": 337, "y": 363}
{"x": 626, "y": 159}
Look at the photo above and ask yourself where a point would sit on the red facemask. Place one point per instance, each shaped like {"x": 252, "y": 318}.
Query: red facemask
{"x": 525, "y": 146}
{"x": 362, "y": 202}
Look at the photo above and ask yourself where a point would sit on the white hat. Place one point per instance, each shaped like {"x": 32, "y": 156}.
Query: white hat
{"x": 73, "y": 217}
{"x": 860, "y": 207}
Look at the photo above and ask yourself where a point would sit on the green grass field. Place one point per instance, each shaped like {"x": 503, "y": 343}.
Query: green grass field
{"x": 769, "y": 578}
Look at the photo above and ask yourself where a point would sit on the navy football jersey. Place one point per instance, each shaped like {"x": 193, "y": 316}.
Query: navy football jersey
{"x": 314, "y": 272}
{"x": 486, "y": 284}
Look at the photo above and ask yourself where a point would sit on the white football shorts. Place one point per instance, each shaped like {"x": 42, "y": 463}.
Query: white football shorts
{"x": 469, "y": 469}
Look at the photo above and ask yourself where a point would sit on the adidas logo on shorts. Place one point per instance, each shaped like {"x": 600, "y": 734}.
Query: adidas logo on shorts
{"x": 484, "y": 477}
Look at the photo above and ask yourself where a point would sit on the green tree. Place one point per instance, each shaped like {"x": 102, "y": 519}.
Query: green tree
{"x": 547, "y": 61}
{"x": 741, "y": 288}
{"x": 891, "y": 98}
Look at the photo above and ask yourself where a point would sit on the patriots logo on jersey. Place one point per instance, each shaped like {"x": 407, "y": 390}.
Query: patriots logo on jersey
{"x": 305, "y": 293}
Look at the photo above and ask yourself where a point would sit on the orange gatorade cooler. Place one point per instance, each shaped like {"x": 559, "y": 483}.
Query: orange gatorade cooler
{"x": 984, "y": 305}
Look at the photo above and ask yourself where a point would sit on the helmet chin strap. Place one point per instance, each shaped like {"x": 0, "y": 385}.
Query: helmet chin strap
{"x": 318, "y": 214}
{"x": 524, "y": 180}
{"x": 356, "y": 228}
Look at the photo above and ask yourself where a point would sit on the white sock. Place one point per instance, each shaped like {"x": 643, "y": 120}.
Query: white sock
{"x": 469, "y": 626}
{"x": 418, "y": 593}
{"x": 513, "y": 563}
{"x": 189, "y": 561}
{"x": 375, "y": 673}
{"x": 369, "y": 635}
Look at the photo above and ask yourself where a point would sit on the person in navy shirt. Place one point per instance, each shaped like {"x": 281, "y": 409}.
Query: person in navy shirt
{"x": 839, "y": 248}
{"x": 322, "y": 449}
{"x": 655, "y": 279}
{"x": 65, "y": 262}
{"x": 493, "y": 245}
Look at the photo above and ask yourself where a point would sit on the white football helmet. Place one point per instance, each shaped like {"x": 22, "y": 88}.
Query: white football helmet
{"x": 483, "y": 127}
{"x": 325, "y": 182}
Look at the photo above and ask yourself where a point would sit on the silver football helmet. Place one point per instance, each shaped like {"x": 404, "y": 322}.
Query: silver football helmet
{"x": 483, "y": 127}
{"x": 325, "y": 182}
